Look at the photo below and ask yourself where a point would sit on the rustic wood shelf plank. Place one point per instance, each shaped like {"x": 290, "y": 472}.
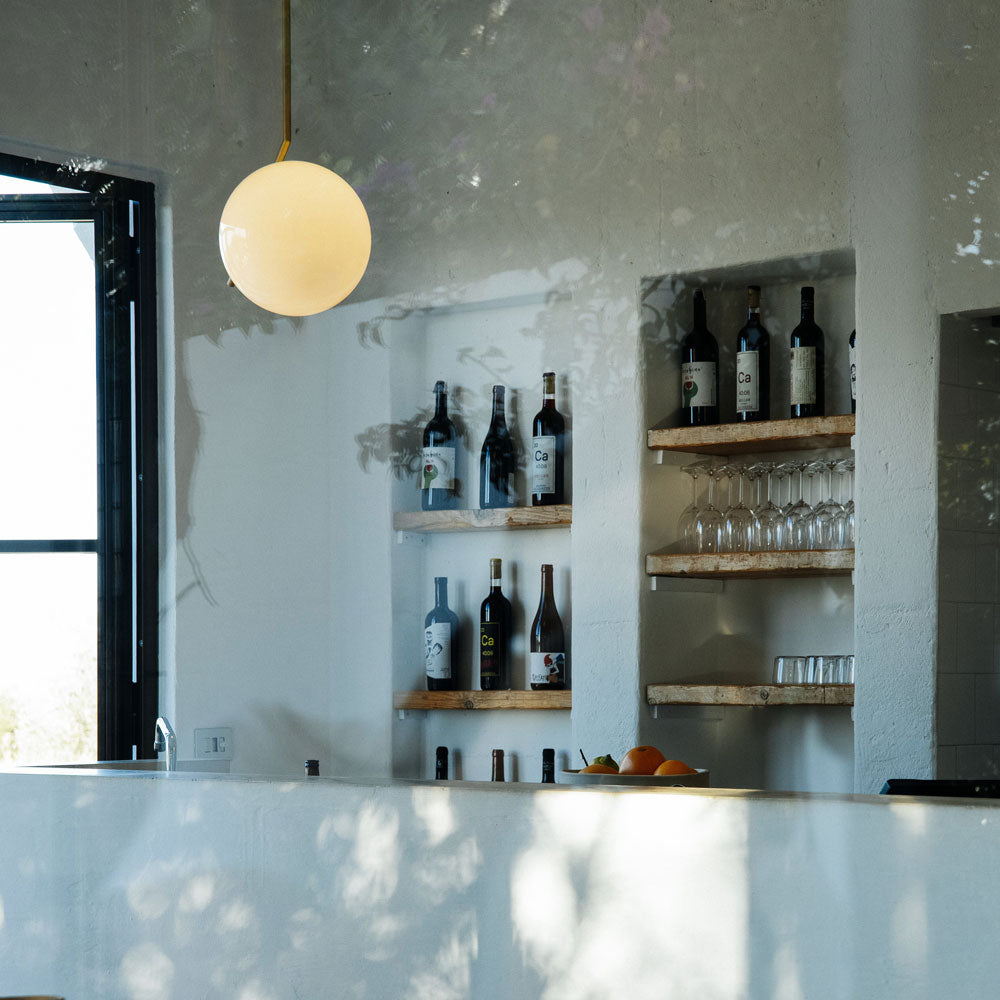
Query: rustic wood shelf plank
{"x": 751, "y": 565}
{"x": 469, "y": 700}
{"x": 555, "y": 516}
{"x": 759, "y": 695}
{"x": 768, "y": 435}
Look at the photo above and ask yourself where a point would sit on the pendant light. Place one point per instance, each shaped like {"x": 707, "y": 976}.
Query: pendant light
{"x": 294, "y": 236}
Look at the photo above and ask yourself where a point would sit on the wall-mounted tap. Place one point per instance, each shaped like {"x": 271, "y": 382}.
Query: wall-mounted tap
{"x": 165, "y": 739}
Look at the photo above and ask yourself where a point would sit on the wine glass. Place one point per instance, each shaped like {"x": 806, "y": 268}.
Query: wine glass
{"x": 689, "y": 516}
{"x": 797, "y": 515}
{"x": 827, "y": 521}
{"x": 709, "y": 520}
{"x": 739, "y": 517}
{"x": 769, "y": 522}
{"x": 845, "y": 468}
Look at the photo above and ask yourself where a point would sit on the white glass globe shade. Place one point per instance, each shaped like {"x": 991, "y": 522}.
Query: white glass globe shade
{"x": 295, "y": 238}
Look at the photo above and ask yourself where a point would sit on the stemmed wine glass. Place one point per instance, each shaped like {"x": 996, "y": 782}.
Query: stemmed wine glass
{"x": 827, "y": 515}
{"x": 769, "y": 522}
{"x": 845, "y": 468}
{"x": 709, "y": 522}
{"x": 739, "y": 517}
{"x": 687, "y": 522}
{"x": 797, "y": 513}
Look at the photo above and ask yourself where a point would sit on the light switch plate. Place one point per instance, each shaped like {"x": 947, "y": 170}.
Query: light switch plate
{"x": 216, "y": 744}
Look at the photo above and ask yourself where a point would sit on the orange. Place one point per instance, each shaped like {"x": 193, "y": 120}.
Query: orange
{"x": 597, "y": 769}
{"x": 674, "y": 767}
{"x": 641, "y": 760}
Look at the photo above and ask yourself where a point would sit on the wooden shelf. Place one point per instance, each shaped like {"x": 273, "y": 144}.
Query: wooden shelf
{"x": 768, "y": 435}
{"x": 470, "y": 700}
{"x": 751, "y": 565}
{"x": 555, "y": 516}
{"x": 759, "y": 695}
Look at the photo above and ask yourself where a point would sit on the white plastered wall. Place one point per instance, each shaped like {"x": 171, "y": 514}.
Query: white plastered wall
{"x": 591, "y": 147}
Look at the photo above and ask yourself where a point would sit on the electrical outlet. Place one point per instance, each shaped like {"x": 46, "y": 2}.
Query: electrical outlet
{"x": 214, "y": 743}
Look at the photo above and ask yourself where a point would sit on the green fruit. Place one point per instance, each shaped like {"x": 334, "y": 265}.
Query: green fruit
{"x": 607, "y": 760}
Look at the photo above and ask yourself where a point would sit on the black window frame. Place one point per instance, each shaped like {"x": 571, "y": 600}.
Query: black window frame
{"x": 122, "y": 211}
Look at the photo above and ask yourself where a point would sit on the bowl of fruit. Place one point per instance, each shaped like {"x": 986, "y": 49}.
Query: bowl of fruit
{"x": 642, "y": 765}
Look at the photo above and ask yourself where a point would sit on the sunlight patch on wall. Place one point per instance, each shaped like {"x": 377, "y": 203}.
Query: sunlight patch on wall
{"x": 449, "y": 974}
{"x": 432, "y": 807}
{"x": 147, "y": 973}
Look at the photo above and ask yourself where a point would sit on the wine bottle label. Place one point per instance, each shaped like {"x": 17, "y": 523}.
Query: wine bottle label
{"x": 803, "y": 375}
{"x": 543, "y": 463}
{"x": 437, "y": 650}
{"x": 547, "y": 668}
{"x": 698, "y": 380}
{"x": 747, "y": 395}
{"x": 489, "y": 651}
{"x": 854, "y": 375}
{"x": 437, "y": 469}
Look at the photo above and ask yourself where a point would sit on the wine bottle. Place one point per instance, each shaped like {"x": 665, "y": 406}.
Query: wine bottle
{"x": 440, "y": 648}
{"x": 699, "y": 371}
{"x": 753, "y": 364}
{"x": 548, "y": 446}
{"x": 548, "y": 644}
{"x": 497, "y": 772}
{"x": 439, "y": 484}
{"x": 854, "y": 372}
{"x": 548, "y": 766}
{"x": 496, "y": 460}
{"x": 494, "y": 636}
{"x": 806, "y": 368}
{"x": 441, "y": 764}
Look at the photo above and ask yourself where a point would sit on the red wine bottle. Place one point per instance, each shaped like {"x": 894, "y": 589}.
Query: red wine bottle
{"x": 699, "y": 371}
{"x": 440, "y": 648}
{"x": 441, "y": 764}
{"x": 497, "y": 773}
{"x": 494, "y": 636}
{"x": 753, "y": 364}
{"x": 496, "y": 460}
{"x": 806, "y": 368}
{"x": 548, "y": 643}
{"x": 854, "y": 372}
{"x": 439, "y": 485}
{"x": 548, "y": 446}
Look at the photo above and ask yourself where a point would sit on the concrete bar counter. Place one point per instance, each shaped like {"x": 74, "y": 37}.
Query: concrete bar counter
{"x": 125, "y": 885}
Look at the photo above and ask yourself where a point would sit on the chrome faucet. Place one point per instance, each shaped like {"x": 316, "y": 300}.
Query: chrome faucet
{"x": 166, "y": 739}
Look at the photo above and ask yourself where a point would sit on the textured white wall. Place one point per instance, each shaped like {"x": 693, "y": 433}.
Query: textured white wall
{"x": 501, "y": 145}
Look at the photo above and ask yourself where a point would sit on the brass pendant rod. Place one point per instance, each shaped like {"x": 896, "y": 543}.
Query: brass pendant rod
{"x": 286, "y": 78}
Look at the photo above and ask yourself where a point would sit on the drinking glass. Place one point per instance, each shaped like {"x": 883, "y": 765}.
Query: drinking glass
{"x": 827, "y": 516}
{"x": 739, "y": 518}
{"x": 845, "y": 468}
{"x": 709, "y": 521}
{"x": 769, "y": 522}
{"x": 686, "y": 523}
{"x": 797, "y": 516}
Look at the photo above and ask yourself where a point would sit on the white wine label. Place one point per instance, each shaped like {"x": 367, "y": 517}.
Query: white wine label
{"x": 543, "y": 463}
{"x": 803, "y": 375}
{"x": 698, "y": 380}
{"x": 747, "y": 395}
{"x": 547, "y": 668}
{"x": 437, "y": 469}
{"x": 854, "y": 376}
{"x": 437, "y": 650}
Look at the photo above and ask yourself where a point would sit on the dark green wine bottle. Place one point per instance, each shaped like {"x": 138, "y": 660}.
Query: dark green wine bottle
{"x": 494, "y": 636}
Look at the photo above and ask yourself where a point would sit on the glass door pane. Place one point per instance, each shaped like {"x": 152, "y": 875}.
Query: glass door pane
{"x": 48, "y": 383}
{"x": 48, "y": 657}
